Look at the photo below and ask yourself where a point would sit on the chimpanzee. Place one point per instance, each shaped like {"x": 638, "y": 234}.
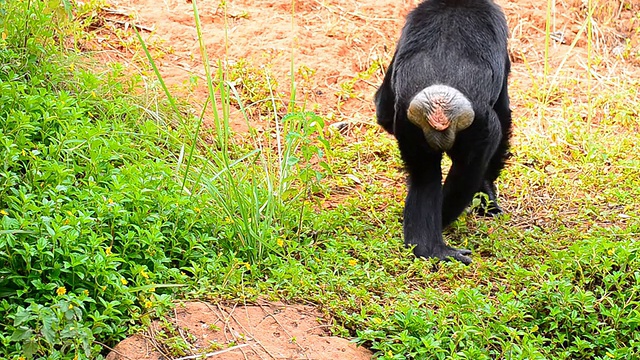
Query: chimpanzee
{"x": 445, "y": 91}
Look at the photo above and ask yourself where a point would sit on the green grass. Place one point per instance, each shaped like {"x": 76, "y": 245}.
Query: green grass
{"x": 111, "y": 208}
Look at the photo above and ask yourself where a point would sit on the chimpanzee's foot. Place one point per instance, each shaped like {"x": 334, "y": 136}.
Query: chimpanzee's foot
{"x": 489, "y": 203}
{"x": 445, "y": 253}
{"x": 490, "y": 209}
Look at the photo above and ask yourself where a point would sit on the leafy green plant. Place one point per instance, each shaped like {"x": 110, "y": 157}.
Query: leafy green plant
{"x": 95, "y": 229}
{"x": 54, "y": 330}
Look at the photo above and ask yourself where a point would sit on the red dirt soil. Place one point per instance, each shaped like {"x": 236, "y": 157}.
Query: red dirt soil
{"x": 334, "y": 43}
{"x": 264, "y": 331}
{"x": 337, "y": 47}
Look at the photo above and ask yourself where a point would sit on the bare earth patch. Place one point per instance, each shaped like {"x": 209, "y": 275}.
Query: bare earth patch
{"x": 264, "y": 331}
{"x": 340, "y": 48}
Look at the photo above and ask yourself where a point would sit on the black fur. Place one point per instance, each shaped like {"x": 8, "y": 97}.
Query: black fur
{"x": 461, "y": 44}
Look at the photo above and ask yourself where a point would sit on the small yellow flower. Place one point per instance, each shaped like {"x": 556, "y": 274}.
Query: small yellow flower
{"x": 197, "y": 209}
{"x": 61, "y": 291}
{"x": 70, "y": 306}
{"x": 280, "y": 242}
{"x": 124, "y": 281}
{"x": 108, "y": 250}
{"x": 72, "y": 67}
{"x": 152, "y": 290}
{"x": 69, "y": 213}
{"x": 86, "y": 292}
{"x": 390, "y": 353}
{"x": 248, "y": 266}
{"x": 148, "y": 304}
{"x": 4, "y": 212}
{"x": 93, "y": 93}
{"x": 110, "y": 201}
{"x": 353, "y": 262}
{"x": 104, "y": 287}
{"x": 22, "y": 358}
{"x": 144, "y": 274}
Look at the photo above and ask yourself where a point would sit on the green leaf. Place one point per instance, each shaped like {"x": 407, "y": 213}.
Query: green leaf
{"x": 21, "y": 333}
{"x": 22, "y": 316}
{"x": 48, "y": 322}
{"x": 30, "y": 348}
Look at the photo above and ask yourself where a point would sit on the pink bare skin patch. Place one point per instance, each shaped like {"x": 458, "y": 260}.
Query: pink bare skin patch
{"x": 438, "y": 120}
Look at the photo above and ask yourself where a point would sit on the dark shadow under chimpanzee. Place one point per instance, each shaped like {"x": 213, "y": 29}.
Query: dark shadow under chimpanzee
{"x": 445, "y": 91}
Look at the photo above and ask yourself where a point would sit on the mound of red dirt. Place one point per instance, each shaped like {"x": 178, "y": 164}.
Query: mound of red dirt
{"x": 264, "y": 331}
